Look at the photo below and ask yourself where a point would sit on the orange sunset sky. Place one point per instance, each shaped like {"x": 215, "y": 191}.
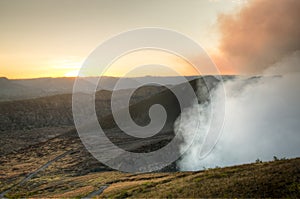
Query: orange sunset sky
{"x": 52, "y": 38}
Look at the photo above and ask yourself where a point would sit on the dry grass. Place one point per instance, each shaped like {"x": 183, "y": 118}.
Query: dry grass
{"x": 78, "y": 174}
{"x": 270, "y": 179}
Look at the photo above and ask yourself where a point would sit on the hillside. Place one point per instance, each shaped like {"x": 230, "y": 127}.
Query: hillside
{"x": 42, "y": 155}
{"x": 26, "y": 122}
{"x": 61, "y": 168}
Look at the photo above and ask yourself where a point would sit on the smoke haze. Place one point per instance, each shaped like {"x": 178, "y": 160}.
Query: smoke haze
{"x": 262, "y": 114}
{"x": 259, "y": 35}
{"x": 262, "y": 119}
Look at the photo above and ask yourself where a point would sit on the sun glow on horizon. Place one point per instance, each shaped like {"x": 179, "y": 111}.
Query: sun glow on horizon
{"x": 73, "y": 73}
{"x": 67, "y": 67}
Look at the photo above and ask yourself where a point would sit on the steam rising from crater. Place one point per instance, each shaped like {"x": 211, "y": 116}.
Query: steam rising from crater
{"x": 262, "y": 114}
{"x": 262, "y": 120}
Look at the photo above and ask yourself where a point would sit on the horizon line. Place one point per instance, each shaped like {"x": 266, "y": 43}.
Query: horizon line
{"x": 49, "y": 77}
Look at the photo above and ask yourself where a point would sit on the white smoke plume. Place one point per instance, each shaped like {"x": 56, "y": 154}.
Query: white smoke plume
{"x": 262, "y": 120}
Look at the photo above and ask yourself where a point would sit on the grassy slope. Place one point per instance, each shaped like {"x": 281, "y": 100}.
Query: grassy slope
{"x": 271, "y": 179}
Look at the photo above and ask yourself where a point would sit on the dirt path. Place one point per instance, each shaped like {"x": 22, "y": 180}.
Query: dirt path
{"x": 97, "y": 192}
{"x": 35, "y": 172}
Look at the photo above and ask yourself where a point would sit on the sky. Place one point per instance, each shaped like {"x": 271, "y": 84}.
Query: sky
{"x": 52, "y": 38}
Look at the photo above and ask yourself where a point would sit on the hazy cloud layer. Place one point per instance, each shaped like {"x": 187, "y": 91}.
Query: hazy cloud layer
{"x": 259, "y": 35}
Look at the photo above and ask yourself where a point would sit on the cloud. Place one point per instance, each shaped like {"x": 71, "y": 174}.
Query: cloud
{"x": 259, "y": 35}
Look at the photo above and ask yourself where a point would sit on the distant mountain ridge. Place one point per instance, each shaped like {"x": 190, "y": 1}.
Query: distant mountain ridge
{"x": 19, "y": 89}
{"x": 56, "y": 110}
